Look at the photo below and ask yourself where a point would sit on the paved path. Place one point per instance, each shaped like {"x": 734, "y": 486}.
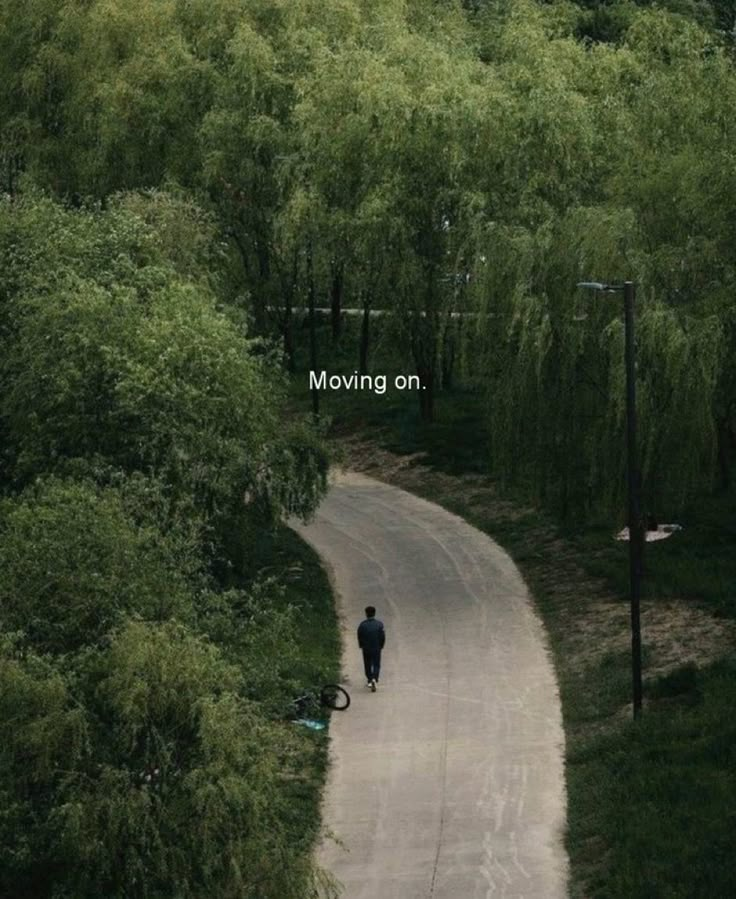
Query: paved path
{"x": 448, "y": 782}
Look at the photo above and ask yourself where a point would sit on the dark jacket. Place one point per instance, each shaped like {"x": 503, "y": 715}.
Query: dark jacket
{"x": 371, "y": 634}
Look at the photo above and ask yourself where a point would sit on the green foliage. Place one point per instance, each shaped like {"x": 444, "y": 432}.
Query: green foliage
{"x": 154, "y": 776}
{"x": 45, "y": 736}
{"x": 131, "y": 363}
{"x": 212, "y": 166}
{"x": 258, "y": 626}
{"x": 73, "y": 564}
{"x": 143, "y": 442}
{"x": 618, "y": 180}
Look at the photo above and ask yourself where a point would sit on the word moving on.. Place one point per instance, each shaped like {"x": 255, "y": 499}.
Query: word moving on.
{"x": 375, "y": 383}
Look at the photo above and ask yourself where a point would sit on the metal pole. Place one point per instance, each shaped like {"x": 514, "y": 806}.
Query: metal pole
{"x": 633, "y": 479}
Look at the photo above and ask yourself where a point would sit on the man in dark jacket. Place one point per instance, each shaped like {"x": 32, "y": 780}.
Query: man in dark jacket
{"x": 371, "y": 639}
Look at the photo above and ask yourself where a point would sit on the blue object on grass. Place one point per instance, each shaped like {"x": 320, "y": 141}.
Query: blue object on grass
{"x": 311, "y": 723}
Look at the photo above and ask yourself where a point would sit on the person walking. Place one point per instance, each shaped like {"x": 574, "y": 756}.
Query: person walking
{"x": 371, "y": 639}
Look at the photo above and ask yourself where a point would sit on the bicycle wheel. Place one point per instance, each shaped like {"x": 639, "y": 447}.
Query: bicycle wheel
{"x": 335, "y": 697}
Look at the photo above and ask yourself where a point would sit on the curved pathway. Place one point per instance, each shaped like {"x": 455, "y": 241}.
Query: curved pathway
{"x": 448, "y": 782}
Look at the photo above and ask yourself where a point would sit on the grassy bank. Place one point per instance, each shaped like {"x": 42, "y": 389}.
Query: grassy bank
{"x": 650, "y": 804}
{"x": 305, "y": 589}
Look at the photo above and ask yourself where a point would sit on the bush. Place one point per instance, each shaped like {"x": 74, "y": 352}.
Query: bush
{"x": 73, "y": 564}
{"x": 110, "y": 352}
{"x": 142, "y": 751}
{"x": 163, "y": 781}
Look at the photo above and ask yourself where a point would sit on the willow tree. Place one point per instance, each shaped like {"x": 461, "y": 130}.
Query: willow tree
{"x": 453, "y": 106}
{"x": 557, "y": 395}
{"x": 251, "y": 148}
{"x": 102, "y": 87}
{"x": 682, "y": 133}
{"x": 99, "y": 566}
{"x": 349, "y": 104}
{"x": 337, "y": 158}
{"x": 576, "y": 204}
{"x": 521, "y": 278}
{"x": 407, "y": 122}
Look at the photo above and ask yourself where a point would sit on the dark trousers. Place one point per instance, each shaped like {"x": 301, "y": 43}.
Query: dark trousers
{"x": 372, "y": 663}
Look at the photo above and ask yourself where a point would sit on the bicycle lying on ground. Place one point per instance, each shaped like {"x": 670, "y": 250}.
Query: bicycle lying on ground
{"x": 333, "y": 696}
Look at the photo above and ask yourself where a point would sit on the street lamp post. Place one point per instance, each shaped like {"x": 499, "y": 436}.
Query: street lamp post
{"x": 628, "y": 288}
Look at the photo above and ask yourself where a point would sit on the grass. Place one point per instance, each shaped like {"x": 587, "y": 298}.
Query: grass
{"x": 306, "y": 588}
{"x": 698, "y": 563}
{"x": 650, "y": 803}
{"x": 282, "y": 554}
{"x": 658, "y": 796}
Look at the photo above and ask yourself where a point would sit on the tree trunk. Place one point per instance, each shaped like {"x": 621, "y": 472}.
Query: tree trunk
{"x": 258, "y": 310}
{"x": 449, "y": 342}
{"x": 288, "y": 332}
{"x": 425, "y": 344}
{"x": 726, "y": 443}
{"x": 263, "y": 293}
{"x": 426, "y": 392}
{"x": 312, "y": 329}
{"x": 424, "y": 331}
{"x": 288, "y": 289}
{"x": 424, "y": 350}
{"x": 365, "y": 335}
{"x": 336, "y": 300}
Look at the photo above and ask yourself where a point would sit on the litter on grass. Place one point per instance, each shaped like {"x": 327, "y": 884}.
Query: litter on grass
{"x": 311, "y": 723}
{"x": 659, "y": 533}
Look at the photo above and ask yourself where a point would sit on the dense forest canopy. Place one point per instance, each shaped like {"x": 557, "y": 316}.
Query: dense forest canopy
{"x": 143, "y": 445}
{"x": 178, "y": 178}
